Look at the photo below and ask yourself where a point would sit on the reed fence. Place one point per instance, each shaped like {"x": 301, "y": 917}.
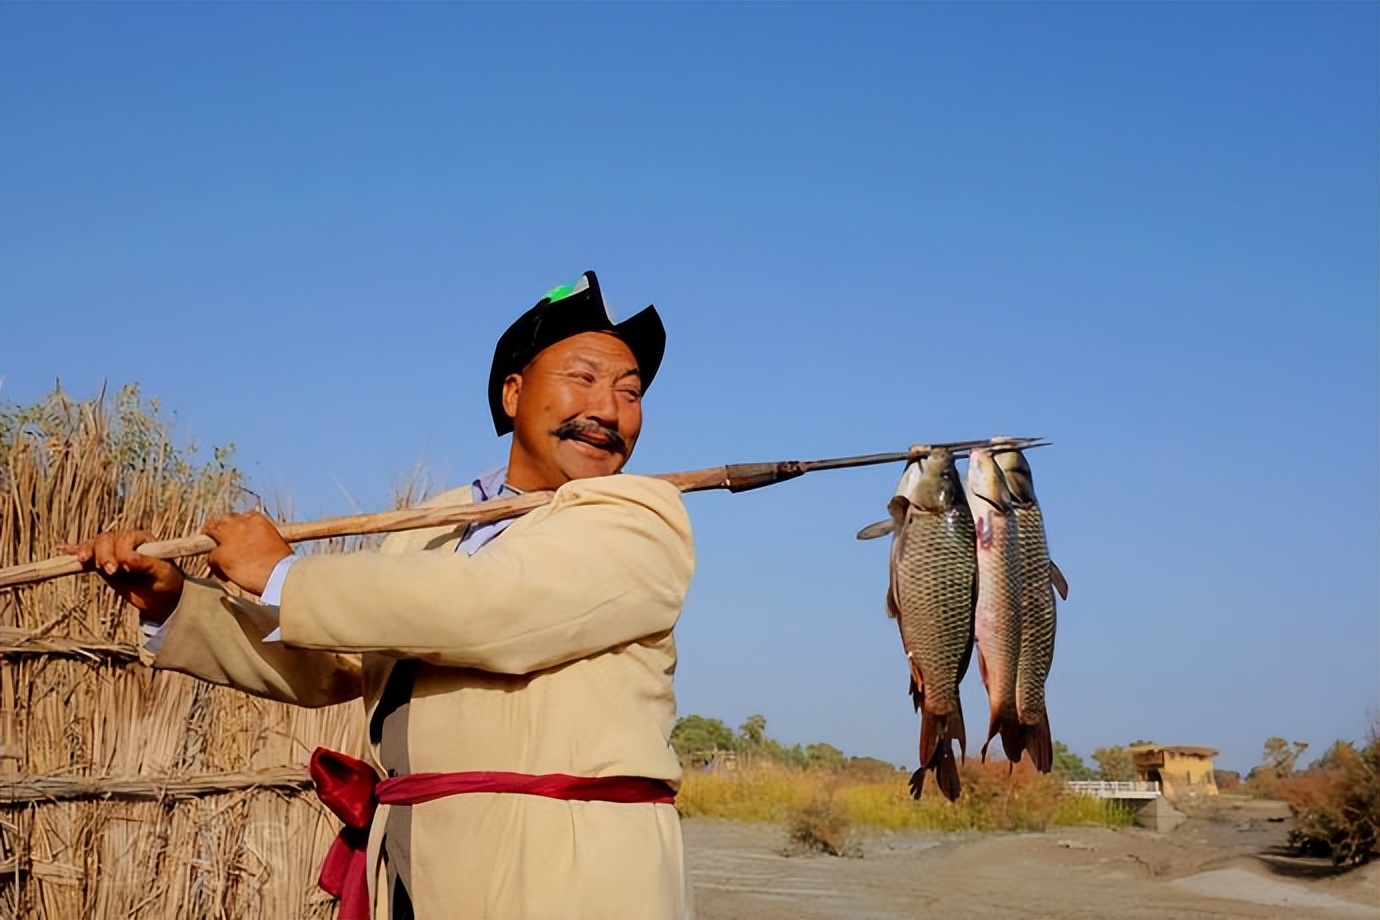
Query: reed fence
{"x": 124, "y": 791}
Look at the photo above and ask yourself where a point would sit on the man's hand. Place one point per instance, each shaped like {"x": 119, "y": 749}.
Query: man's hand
{"x": 248, "y": 547}
{"x": 152, "y": 585}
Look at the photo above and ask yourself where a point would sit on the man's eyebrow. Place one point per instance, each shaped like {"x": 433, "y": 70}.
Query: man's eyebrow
{"x": 594, "y": 365}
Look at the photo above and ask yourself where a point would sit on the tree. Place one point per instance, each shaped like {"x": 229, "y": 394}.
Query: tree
{"x": 698, "y": 735}
{"x": 822, "y": 754}
{"x": 1334, "y": 757}
{"x": 1068, "y": 765}
{"x": 754, "y": 730}
{"x": 1114, "y": 764}
{"x": 793, "y": 756}
{"x": 1280, "y": 756}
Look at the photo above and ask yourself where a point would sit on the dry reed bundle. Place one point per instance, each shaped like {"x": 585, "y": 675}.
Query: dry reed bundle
{"x": 123, "y": 791}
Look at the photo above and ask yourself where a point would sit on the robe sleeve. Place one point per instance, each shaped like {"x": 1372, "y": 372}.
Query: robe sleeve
{"x": 219, "y": 638}
{"x": 606, "y": 564}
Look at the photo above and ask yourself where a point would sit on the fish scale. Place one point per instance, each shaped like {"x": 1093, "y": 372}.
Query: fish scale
{"x": 1037, "y": 616}
{"x": 934, "y": 592}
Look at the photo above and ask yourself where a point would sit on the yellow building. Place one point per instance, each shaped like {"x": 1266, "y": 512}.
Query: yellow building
{"x": 1181, "y": 770}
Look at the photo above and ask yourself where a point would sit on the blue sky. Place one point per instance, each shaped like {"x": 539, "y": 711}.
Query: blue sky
{"x": 1148, "y": 232}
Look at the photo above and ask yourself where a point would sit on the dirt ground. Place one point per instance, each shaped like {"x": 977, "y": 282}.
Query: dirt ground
{"x": 1225, "y": 861}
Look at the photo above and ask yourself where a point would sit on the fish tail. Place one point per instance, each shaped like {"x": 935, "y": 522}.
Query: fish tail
{"x": 946, "y": 773}
{"x": 929, "y": 737}
{"x": 1012, "y": 738}
{"x": 917, "y": 783}
{"x": 937, "y": 735}
{"x": 1006, "y": 724}
{"x": 1038, "y": 742}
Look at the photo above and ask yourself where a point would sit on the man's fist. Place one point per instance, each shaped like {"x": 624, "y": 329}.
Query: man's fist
{"x": 248, "y": 547}
{"x": 152, "y": 585}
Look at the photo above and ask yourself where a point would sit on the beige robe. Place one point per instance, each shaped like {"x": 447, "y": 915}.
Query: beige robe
{"x": 549, "y": 651}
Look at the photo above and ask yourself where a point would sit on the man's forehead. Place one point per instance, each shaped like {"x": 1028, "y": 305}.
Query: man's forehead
{"x": 594, "y": 349}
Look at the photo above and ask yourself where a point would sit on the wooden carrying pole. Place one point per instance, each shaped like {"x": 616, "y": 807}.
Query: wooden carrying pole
{"x": 735, "y": 477}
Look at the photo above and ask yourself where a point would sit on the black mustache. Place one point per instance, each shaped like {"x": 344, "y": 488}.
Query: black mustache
{"x": 577, "y": 428}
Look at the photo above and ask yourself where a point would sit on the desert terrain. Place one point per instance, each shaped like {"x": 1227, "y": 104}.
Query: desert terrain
{"x": 1226, "y": 860}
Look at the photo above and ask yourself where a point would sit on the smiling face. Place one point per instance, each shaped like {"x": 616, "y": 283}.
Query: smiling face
{"x": 576, "y": 411}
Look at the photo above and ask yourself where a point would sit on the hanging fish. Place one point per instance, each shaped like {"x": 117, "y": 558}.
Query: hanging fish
{"x": 931, "y": 598}
{"x": 1039, "y": 579}
{"x": 997, "y": 625}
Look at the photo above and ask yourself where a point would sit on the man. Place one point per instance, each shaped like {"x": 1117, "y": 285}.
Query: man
{"x": 538, "y": 651}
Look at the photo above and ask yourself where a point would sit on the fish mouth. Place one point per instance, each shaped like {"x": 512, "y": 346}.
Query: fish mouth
{"x": 592, "y": 433}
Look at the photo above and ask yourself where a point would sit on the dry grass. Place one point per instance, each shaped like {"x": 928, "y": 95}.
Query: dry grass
{"x": 993, "y": 799}
{"x": 79, "y": 714}
{"x": 821, "y": 825}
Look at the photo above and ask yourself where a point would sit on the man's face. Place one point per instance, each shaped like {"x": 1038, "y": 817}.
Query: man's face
{"x": 576, "y": 411}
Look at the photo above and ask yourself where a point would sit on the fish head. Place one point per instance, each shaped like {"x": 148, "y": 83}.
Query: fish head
{"x": 987, "y": 488}
{"x": 1016, "y": 469}
{"x": 938, "y": 487}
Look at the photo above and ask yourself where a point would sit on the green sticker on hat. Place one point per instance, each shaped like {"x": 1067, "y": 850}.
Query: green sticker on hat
{"x": 562, "y": 291}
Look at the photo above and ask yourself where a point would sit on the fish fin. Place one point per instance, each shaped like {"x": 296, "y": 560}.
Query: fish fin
{"x": 892, "y": 608}
{"x": 917, "y": 686}
{"x": 898, "y": 508}
{"x": 992, "y": 728}
{"x": 917, "y": 783}
{"x": 1056, "y": 578}
{"x": 877, "y": 529}
{"x": 1038, "y": 743}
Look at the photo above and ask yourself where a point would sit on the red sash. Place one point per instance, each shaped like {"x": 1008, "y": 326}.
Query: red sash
{"x": 352, "y": 790}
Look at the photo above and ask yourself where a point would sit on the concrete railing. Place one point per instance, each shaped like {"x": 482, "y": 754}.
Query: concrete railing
{"x": 1100, "y": 789}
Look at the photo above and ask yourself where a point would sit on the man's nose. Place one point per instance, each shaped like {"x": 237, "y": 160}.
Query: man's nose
{"x": 602, "y": 405}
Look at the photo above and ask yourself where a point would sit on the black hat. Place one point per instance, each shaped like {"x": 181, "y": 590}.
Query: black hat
{"x": 566, "y": 311}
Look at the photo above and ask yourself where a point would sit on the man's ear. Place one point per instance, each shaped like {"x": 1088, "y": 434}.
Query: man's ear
{"x": 512, "y": 391}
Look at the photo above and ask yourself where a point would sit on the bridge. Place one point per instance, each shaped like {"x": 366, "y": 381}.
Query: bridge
{"x": 1108, "y": 790}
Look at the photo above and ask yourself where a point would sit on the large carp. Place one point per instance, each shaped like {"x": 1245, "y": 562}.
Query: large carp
{"x": 997, "y": 625}
{"x": 1039, "y": 578}
{"x": 931, "y": 598}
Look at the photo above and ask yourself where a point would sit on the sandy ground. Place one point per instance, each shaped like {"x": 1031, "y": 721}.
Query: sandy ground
{"x": 1222, "y": 862}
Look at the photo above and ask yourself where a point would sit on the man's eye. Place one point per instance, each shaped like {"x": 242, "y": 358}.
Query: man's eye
{"x": 631, "y": 393}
